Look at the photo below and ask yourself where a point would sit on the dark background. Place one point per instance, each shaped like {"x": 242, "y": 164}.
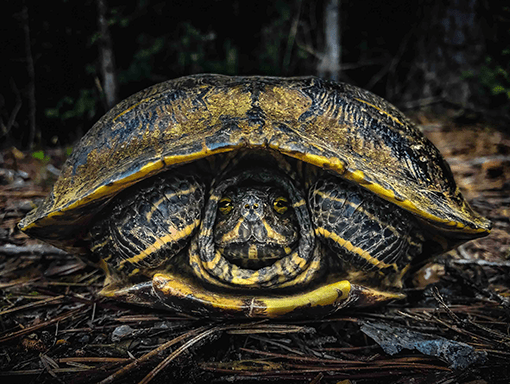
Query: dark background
{"x": 422, "y": 53}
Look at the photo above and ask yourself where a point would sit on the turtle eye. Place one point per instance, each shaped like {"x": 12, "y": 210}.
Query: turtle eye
{"x": 280, "y": 205}
{"x": 225, "y": 205}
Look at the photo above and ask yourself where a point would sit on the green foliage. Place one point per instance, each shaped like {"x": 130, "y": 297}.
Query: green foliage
{"x": 282, "y": 54}
{"x": 494, "y": 74}
{"x": 275, "y": 37}
{"x": 143, "y": 61}
{"x": 84, "y": 106}
{"x": 41, "y": 156}
{"x": 193, "y": 51}
{"x": 117, "y": 19}
{"x": 494, "y": 78}
{"x": 196, "y": 52}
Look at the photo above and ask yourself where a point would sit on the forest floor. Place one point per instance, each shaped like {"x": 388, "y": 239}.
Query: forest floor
{"x": 453, "y": 327}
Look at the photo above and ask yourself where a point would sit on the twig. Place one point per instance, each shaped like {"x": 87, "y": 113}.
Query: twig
{"x": 282, "y": 346}
{"x": 177, "y": 352}
{"x": 272, "y": 328}
{"x": 39, "y": 371}
{"x": 121, "y": 372}
{"x": 317, "y": 379}
{"x": 34, "y": 249}
{"x": 32, "y": 305}
{"x": 478, "y": 160}
{"x": 302, "y": 358}
{"x": 483, "y": 263}
{"x": 93, "y": 359}
{"x": 22, "y": 194}
{"x": 139, "y": 318}
{"x": 440, "y": 300}
{"x": 34, "y": 328}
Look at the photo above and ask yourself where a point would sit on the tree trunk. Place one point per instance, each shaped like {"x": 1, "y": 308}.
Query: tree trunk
{"x": 106, "y": 57}
{"x": 450, "y": 47}
{"x": 329, "y": 66}
{"x": 31, "y": 77}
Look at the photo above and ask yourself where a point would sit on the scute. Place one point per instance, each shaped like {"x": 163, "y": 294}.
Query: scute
{"x": 331, "y": 125}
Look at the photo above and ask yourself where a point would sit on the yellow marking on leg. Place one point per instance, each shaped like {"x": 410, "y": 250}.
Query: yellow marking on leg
{"x": 134, "y": 272}
{"x": 148, "y": 216}
{"x": 360, "y": 208}
{"x": 289, "y": 267}
{"x": 351, "y": 248}
{"x": 252, "y": 280}
{"x": 298, "y": 260}
{"x": 210, "y": 265}
{"x": 156, "y": 205}
{"x": 137, "y": 232}
{"x": 172, "y": 236}
{"x": 99, "y": 245}
{"x": 104, "y": 266}
{"x": 206, "y": 232}
{"x": 198, "y": 267}
{"x": 306, "y": 272}
{"x": 357, "y": 207}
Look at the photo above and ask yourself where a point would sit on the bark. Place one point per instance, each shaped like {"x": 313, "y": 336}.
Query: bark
{"x": 31, "y": 77}
{"x": 329, "y": 66}
{"x": 106, "y": 57}
{"x": 5, "y": 129}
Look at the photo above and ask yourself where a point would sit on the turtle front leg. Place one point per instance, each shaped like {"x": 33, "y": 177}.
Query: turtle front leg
{"x": 147, "y": 225}
{"x": 365, "y": 231}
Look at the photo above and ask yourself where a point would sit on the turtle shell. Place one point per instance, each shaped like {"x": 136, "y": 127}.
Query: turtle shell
{"x": 335, "y": 126}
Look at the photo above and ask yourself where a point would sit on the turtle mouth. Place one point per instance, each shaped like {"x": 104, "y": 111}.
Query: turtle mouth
{"x": 254, "y": 254}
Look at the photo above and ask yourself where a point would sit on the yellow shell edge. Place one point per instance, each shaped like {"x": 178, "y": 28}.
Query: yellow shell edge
{"x": 253, "y": 306}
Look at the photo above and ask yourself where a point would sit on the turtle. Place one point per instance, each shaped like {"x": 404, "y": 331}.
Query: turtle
{"x": 253, "y": 196}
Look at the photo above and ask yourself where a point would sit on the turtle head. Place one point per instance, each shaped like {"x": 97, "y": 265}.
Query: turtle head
{"x": 255, "y": 226}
